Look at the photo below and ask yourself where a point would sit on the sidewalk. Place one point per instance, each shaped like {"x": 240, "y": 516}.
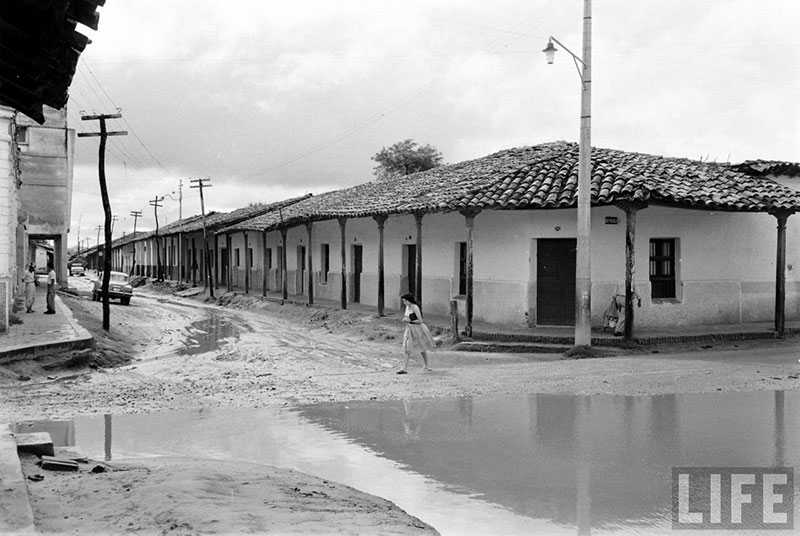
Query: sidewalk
{"x": 40, "y": 332}
{"x": 484, "y": 331}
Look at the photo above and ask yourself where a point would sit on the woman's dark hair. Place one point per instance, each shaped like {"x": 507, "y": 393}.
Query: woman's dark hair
{"x": 409, "y": 298}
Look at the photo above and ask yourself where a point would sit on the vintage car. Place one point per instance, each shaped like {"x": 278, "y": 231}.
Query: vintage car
{"x": 77, "y": 268}
{"x": 118, "y": 288}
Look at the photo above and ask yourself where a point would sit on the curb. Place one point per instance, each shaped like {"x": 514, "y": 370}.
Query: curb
{"x": 80, "y": 339}
{"x": 16, "y": 514}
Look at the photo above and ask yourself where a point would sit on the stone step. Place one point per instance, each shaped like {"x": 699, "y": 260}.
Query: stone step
{"x": 38, "y": 443}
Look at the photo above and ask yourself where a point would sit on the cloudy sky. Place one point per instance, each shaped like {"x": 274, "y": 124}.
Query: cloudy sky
{"x": 272, "y": 99}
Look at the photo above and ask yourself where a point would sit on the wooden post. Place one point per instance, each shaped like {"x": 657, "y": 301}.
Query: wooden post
{"x": 309, "y": 267}
{"x": 454, "y": 320}
{"x": 780, "y": 273}
{"x": 229, "y": 243}
{"x": 194, "y": 262}
{"x": 101, "y": 168}
{"x": 246, "y": 265}
{"x": 630, "y": 209}
{"x": 284, "y": 281}
{"x": 343, "y": 240}
{"x": 217, "y": 259}
{"x": 418, "y": 219}
{"x": 469, "y": 215}
{"x": 264, "y": 263}
{"x": 381, "y": 221}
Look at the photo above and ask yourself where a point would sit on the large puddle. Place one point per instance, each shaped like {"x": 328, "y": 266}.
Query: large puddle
{"x": 484, "y": 465}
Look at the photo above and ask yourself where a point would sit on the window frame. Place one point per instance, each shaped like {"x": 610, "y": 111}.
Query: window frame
{"x": 659, "y": 278}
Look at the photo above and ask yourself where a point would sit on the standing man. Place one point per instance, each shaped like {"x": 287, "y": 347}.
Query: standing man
{"x": 29, "y": 280}
{"x": 51, "y": 290}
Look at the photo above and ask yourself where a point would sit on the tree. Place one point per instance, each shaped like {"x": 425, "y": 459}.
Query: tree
{"x": 405, "y": 158}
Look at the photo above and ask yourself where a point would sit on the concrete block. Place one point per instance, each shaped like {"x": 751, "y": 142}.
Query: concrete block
{"x": 58, "y": 464}
{"x": 38, "y": 443}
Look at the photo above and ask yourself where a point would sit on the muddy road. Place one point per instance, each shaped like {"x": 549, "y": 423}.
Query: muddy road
{"x": 165, "y": 352}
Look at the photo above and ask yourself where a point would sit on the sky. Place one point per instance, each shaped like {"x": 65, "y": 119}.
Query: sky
{"x": 274, "y": 99}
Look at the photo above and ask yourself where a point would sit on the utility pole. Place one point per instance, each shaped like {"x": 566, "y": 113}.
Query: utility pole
{"x": 155, "y": 203}
{"x": 99, "y": 228}
{"x": 79, "y": 233}
{"x": 200, "y": 183}
{"x": 180, "y": 234}
{"x": 136, "y": 215}
{"x": 101, "y": 165}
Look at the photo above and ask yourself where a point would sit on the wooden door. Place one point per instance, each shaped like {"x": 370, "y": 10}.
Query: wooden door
{"x": 358, "y": 266}
{"x": 555, "y": 282}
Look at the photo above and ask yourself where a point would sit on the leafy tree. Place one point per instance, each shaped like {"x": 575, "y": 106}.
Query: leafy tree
{"x": 405, "y": 157}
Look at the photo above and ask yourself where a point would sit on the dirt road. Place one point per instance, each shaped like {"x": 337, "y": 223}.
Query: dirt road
{"x": 164, "y": 352}
{"x": 183, "y": 353}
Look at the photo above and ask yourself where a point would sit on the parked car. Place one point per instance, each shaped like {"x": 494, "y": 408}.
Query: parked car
{"x": 118, "y": 288}
{"x": 77, "y": 268}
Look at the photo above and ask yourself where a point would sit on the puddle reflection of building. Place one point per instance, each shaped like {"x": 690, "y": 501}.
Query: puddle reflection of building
{"x": 107, "y": 436}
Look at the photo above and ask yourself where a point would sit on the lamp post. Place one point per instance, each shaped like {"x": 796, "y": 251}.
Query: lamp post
{"x": 583, "y": 257}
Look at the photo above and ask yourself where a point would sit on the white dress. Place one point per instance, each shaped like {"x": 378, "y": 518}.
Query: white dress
{"x": 417, "y": 337}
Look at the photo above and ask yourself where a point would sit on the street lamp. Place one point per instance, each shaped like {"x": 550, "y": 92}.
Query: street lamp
{"x": 583, "y": 257}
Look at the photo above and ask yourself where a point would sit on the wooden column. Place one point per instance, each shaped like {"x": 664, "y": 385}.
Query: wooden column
{"x": 216, "y": 260}
{"x": 246, "y": 265}
{"x": 469, "y": 215}
{"x": 284, "y": 281}
{"x": 780, "y": 273}
{"x": 194, "y": 259}
{"x": 309, "y": 267}
{"x": 418, "y": 219}
{"x": 343, "y": 240}
{"x": 630, "y": 208}
{"x": 229, "y": 243}
{"x": 381, "y": 221}
{"x": 264, "y": 264}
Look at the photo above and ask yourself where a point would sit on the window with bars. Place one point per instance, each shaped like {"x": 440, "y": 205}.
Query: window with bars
{"x": 662, "y": 268}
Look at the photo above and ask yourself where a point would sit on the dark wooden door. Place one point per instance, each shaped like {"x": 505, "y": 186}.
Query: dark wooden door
{"x": 411, "y": 268}
{"x": 223, "y": 265}
{"x": 358, "y": 267}
{"x": 555, "y": 282}
{"x": 301, "y": 268}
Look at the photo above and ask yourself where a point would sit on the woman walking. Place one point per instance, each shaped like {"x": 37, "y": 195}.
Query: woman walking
{"x": 417, "y": 337}
{"x": 29, "y": 280}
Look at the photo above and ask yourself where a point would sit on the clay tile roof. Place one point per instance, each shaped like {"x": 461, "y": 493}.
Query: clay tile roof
{"x": 39, "y": 51}
{"x": 543, "y": 177}
{"x": 768, "y": 167}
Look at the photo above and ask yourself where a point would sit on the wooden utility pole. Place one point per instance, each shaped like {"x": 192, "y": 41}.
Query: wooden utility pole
{"x": 201, "y": 183}
{"x": 156, "y": 203}
{"x": 136, "y": 215}
{"x": 101, "y": 165}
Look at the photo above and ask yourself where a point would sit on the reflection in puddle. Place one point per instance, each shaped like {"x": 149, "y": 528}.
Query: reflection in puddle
{"x": 208, "y": 334}
{"x": 488, "y": 465}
